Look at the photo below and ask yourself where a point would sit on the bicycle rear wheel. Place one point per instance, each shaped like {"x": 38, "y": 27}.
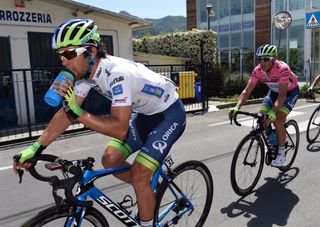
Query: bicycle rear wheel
{"x": 313, "y": 129}
{"x": 247, "y": 164}
{"x": 194, "y": 181}
{"x": 292, "y": 143}
{"x": 51, "y": 217}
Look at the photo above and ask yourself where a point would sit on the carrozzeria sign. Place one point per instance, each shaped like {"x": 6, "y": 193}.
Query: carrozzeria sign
{"x": 10, "y": 16}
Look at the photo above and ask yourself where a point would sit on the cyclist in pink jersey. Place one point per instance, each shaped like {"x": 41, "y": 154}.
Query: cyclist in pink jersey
{"x": 281, "y": 98}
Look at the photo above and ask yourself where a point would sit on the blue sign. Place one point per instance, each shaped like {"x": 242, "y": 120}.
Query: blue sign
{"x": 313, "y": 20}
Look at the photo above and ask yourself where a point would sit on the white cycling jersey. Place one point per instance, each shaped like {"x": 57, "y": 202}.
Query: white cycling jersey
{"x": 127, "y": 83}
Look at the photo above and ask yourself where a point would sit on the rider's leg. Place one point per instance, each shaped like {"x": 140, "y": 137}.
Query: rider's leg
{"x": 140, "y": 178}
{"x": 112, "y": 157}
{"x": 168, "y": 127}
{"x": 281, "y": 137}
{"x": 117, "y": 151}
{"x": 281, "y": 130}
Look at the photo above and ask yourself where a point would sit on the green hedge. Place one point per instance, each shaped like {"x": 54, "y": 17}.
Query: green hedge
{"x": 180, "y": 44}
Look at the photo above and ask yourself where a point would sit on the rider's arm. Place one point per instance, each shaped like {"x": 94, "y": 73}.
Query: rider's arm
{"x": 58, "y": 124}
{"x": 116, "y": 125}
{"x": 246, "y": 93}
{"x": 282, "y": 94}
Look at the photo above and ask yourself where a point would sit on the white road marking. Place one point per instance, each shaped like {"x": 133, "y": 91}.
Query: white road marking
{"x": 5, "y": 168}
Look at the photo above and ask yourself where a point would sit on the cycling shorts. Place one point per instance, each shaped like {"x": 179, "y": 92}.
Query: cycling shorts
{"x": 290, "y": 101}
{"x": 152, "y": 135}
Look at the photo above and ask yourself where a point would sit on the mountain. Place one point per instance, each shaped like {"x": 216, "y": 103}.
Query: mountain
{"x": 162, "y": 25}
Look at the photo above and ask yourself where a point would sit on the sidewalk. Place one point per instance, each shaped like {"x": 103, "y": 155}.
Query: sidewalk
{"x": 217, "y": 104}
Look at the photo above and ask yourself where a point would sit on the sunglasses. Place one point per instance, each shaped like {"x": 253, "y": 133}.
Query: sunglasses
{"x": 71, "y": 53}
{"x": 264, "y": 58}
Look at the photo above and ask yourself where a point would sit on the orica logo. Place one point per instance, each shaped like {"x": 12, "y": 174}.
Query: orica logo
{"x": 159, "y": 145}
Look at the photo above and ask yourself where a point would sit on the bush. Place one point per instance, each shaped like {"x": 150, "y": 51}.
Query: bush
{"x": 234, "y": 85}
{"x": 215, "y": 79}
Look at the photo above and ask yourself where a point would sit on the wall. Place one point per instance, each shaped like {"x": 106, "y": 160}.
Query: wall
{"x": 154, "y": 59}
{"x": 17, "y": 30}
{"x": 191, "y": 14}
{"x": 263, "y": 22}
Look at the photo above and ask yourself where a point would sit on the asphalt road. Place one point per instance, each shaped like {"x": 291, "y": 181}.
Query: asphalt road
{"x": 278, "y": 200}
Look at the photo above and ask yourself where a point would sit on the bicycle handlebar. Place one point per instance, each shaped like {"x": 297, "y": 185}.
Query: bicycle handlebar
{"x": 66, "y": 184}
{"x": 254, "y": 115}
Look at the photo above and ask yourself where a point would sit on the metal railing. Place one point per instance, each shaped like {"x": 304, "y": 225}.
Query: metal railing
{"x": 24, "y": 114}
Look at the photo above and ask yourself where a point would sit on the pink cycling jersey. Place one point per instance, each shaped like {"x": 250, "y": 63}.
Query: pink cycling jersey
{"x": 280, "y": 73}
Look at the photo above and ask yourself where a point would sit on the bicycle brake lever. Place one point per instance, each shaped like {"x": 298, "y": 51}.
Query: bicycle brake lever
{"x": 20, "y": 174}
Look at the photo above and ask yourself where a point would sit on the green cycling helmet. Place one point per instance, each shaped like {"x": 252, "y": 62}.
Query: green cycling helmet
{"x": 267, "y": 51}
{"x": 75, "y": 32}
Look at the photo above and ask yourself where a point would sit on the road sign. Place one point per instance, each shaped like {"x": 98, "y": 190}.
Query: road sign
{"x": 313, "y": 20}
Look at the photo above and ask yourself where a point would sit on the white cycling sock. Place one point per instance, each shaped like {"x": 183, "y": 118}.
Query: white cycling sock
{"x": 146, "y": 223}
{"x": 282, "y": 150}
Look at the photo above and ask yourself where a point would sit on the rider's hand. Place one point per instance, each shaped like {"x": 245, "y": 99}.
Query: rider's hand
{"x": 70, "y": 104}
{"x": 272, "y": 115}
{"x": 26, "y": 154}
{"x": 310, "y": 89}
{"x": 233, "y": 110}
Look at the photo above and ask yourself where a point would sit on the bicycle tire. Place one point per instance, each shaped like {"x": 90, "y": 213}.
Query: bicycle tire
{"x": 183, "y": 178}
{"x": 313, "y": 134}
{"x": 292, "y": 143}
{"x": 237, "y": 184}
{"x": 47, "y": 218}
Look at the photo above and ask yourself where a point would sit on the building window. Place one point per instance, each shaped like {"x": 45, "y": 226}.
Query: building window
{"x": 223, "y": 40}
{"x": 41, "y": 52}
{"x": 224, "y": 9}
{"x": 5, "y": 59}
{"x": 235, "y": 8}
{"x": 235, "y": 39}
{"x": 108, "y": 42}
{"x": 248, "y": 6}
{"x": 8, "y": 115}
{"x": 279, "y": 5}
{"x": 296, "y": 47}
{"x": 296, "y": 4}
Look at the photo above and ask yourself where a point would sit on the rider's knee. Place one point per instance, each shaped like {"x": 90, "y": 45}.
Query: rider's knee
{"x": 280, "y": 120}
{"x": 111, "y": 157}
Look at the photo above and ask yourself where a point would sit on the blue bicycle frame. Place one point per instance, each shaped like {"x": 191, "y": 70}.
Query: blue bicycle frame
{"x": 87, "y": 188}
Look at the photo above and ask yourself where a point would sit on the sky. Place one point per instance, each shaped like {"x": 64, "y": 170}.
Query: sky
{"x": 153, "y": 9}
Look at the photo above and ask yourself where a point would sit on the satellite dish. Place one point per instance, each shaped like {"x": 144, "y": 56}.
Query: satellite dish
{"x": 282, "y": 20}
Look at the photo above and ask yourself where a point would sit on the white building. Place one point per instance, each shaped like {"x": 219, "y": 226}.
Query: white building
{"x": 26, "y": 29}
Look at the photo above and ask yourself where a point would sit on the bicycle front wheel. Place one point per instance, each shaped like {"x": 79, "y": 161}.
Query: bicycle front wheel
{"x": 189, "y": 203}
{"x": 292, "y": 143}
{"x": 247, "y": 164}
{"x": 313, "y": 129}
{"x": 52, "y": 217}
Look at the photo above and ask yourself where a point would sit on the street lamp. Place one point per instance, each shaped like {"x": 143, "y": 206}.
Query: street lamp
{"x": 209, "y": 7}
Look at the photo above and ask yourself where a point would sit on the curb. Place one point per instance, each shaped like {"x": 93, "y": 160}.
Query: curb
{"x": 231, "y": 104}
{"x": 252, "y": 101}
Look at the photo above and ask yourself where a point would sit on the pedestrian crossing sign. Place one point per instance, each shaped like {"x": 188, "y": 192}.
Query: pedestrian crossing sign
{"x": 313, "y": 20}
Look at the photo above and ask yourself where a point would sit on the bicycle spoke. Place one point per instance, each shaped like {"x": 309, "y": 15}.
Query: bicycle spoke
{"x": 292, "y": 143}
{"x": 185, "y": 212}
{"x": 313, "y": 129}
{"x": 247, "y": 164}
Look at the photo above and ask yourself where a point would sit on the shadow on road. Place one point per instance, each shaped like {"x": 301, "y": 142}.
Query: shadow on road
{"x": 314, "y": 147}
{"x": 271, "y": 204}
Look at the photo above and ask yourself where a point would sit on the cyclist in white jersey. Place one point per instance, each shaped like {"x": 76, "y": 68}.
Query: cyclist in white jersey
{"x": 146, "y": 113}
